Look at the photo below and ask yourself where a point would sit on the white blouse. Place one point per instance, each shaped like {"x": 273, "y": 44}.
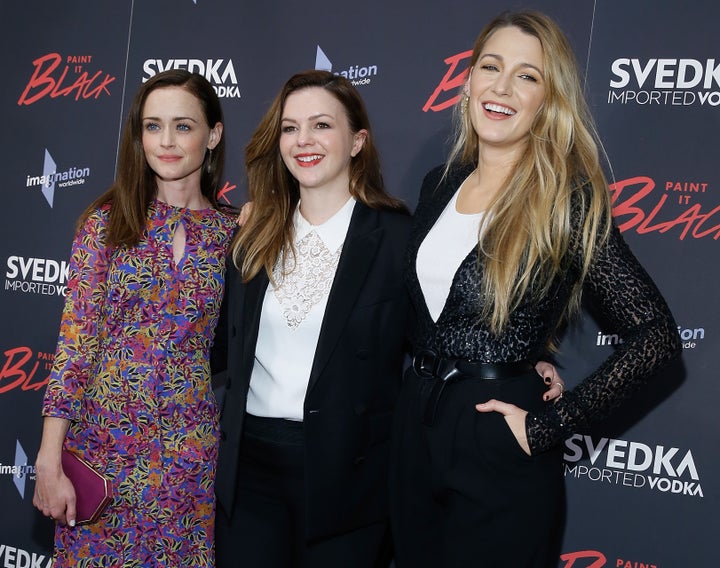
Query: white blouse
{"x": 292, "y": 315}
{"x": 442, "y": 251}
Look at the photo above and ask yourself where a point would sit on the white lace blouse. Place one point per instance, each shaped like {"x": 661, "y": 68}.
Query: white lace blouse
{"x": 292, "y": 315}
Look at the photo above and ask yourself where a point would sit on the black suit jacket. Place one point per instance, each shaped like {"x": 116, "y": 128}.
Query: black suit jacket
{"x": 354, "y": 381}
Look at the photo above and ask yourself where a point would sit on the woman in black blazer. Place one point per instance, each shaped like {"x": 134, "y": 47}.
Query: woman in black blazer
{"x": 312, "y": 340}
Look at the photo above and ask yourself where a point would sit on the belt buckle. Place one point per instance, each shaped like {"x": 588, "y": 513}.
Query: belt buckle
{"x": 444, "y": 372}
{"x": 425, "y": 363}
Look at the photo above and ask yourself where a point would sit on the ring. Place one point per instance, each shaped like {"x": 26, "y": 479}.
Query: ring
{"x": 562, "y": 386}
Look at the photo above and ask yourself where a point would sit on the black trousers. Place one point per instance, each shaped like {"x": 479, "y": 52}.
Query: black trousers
{"x": 267, "y": 527}
{"x": 463, "y": 491}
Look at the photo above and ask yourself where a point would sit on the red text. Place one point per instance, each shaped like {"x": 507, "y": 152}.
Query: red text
{"x": 634, "y": 207}
{"x": 43, "y": 83}
{"x": 19, "y": 371}
{"x": 451, "y": 81}
{"x": 587, "y": 558}
{"x": 224, "y": 190}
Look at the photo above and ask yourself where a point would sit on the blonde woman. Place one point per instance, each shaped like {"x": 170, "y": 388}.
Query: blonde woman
{"x": 520, "y": 221}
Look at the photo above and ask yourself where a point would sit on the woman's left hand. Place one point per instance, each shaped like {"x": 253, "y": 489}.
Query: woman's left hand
{"x": 514, "y": 416}
{"x": 556, "y": 386}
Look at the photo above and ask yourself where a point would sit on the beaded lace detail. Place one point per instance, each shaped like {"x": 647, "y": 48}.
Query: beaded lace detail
{"x": 308, "y": 280}
{"x": 619, "y": 290}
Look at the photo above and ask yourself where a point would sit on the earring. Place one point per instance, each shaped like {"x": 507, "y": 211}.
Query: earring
{"x": 464, "y": 103}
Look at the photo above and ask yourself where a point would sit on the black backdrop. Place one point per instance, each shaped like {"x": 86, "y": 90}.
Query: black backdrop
{"x": 643, "y": 489}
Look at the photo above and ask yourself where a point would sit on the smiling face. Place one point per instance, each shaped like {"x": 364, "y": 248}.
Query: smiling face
{"x": 176, "y": 135}
{"x": 506, "y": 88}
{"x": 316, "y": 143}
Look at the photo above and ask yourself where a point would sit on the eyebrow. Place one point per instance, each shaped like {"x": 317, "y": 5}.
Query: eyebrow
{"x": 523, "y": 64}
{"x": 312, "y": 117}
{"x": 174, "y": 119}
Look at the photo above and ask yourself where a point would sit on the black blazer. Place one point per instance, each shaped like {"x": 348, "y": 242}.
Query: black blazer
{"x": 354, "y": 381}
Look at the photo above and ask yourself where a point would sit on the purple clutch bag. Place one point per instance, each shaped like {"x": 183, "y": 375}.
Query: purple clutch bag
{"x": 93, "y": 491}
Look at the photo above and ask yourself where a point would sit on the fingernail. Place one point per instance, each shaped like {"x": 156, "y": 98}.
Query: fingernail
{"x": 72, "y": 523}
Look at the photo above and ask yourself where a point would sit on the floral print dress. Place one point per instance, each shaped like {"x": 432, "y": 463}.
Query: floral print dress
{"x": 132, "y": 376}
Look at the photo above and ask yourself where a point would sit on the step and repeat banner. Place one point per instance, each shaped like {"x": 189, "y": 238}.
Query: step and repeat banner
{"x": 643, "y": 487}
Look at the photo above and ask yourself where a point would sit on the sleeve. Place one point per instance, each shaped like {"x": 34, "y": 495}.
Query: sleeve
{"x": 219, "y": 350}
{"x": 77, "y": 347}
{"x": 627, "y": 300}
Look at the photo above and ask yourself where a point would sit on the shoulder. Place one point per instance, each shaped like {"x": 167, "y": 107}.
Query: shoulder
{"x": 396, "y": 222}
{"x": 444, "y": 176}
{"x": 95, "y": 221}
{"x": 225, "y": 217}
{"x": 433, "y": 177}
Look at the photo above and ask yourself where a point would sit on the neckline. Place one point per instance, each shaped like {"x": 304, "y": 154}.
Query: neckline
{"x": 187, "y": 210}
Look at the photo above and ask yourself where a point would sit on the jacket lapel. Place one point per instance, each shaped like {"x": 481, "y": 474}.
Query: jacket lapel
{"x": 361, "y": 243}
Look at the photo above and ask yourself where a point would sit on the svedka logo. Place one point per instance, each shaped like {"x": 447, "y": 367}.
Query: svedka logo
{"x": 641, "y": 204}
{"x": 219, "y": 72}
{"x": 52, "y": 178}
{"x": 50, "y": 78}
{"x": 357, "y": 74}
{"x": 12, "y": 557}
{"x": 632, "y": 464}
{"x": 36, "y": 276}
{"x": 675, "y": 82}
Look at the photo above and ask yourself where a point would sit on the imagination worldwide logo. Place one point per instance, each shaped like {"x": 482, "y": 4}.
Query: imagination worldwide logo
{"x": 356, "y": 74}
{"x": 51, "y": 178}
{"x": 20, "y": 470}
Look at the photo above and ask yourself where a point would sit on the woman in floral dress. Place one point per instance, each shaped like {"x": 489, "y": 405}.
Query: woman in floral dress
{"x": 130, "y": 388}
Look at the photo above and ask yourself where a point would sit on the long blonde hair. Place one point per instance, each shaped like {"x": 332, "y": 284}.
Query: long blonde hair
{"x": 528, "y": 237}
{"x": 267, "y": 235}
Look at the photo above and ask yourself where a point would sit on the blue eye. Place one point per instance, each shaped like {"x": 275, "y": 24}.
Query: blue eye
{"x": 489, "y": 67}
{"x": 151, "y": 126}
{"x": 183, "y": 127}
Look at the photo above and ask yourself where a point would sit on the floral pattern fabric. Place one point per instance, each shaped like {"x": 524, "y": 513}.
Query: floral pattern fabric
{"x": 131, "y": 374}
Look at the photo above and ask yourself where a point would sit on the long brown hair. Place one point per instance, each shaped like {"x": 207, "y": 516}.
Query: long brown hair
{"x": 135, "y": 187}
{"x": 528, "y": 235}
{"x": 267, "y": 235}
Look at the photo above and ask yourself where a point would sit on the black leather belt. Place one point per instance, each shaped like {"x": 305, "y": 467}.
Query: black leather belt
{"x": 444, "y": 371}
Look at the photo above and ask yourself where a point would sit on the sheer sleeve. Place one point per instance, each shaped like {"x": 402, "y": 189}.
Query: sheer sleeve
{"x": 626, "y": 299}
{"x": 77, "y": 347}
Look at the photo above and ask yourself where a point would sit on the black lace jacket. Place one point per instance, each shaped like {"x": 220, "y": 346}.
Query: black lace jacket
{"x": 617, "y": 287}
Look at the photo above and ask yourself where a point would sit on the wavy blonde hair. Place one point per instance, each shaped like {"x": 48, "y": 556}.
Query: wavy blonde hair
{"x": 267, "y": 235}
{"x": 529, "y": 235}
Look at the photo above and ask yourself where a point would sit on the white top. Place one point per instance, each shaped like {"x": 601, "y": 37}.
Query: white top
{"x": 292, "y": 315}
{"x": 442, "y": 251}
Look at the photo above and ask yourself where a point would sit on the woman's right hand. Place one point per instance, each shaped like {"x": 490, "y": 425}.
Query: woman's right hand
{"x": 245, "y": 211}
{"x": 54, "y": 493}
